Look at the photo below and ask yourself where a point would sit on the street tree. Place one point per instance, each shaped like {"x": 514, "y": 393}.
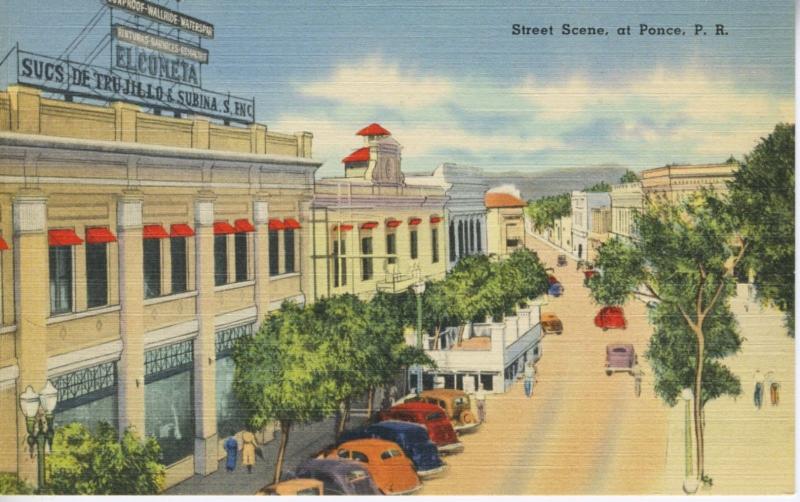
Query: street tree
{"x": 762, "y": 199}
{"x": 282, "y": 375}
{"x": 684, "y": 257}
{"x": 544, "y": 211}
{"x": 599, "y": 187}
{"x": 533, "y": 276}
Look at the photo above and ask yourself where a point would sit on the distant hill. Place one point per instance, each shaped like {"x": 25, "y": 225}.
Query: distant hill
{"x": 556, "y": 181}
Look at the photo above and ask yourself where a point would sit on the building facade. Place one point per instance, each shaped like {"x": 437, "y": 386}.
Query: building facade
{"x": 140, "y": 247}
{"x": 372, "y": 230}
{"x": 582, "y": 215}
{"x": 465, "y": 212}
{"x": 505, "y": 223}
{"x": 627, "y": 199}
{"x": 676, "y": 181}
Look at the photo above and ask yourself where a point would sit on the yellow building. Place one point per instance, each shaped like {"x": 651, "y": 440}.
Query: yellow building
{"x": 139, "y": 247}
{"x": 627, "y": 200}
{"x": 675, "y": 181}
{"x": 505, "y": 224}
{"x": 372, "y": 231}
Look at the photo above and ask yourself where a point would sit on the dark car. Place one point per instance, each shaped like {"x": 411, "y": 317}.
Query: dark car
{"x": 339, "y": 477}
{"x": 555, "y": 289}
{"x": 620, "y": 357}
{"x": 611, "y": 318}
{"x": 412, "y": 438}
{"x": 433, "y": 418}
{"x": 562, "y": 260}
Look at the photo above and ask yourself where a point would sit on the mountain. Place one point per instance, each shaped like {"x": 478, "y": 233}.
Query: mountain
{"x": 556, "y": 181}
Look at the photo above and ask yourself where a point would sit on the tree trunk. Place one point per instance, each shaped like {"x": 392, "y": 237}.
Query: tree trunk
{"x": 344, "y": 413}
{"x": 436, "y": 338}
{"x": 370, "y": 397}
{"x": 286, "y": 426}
{"x": 698, "y": 406}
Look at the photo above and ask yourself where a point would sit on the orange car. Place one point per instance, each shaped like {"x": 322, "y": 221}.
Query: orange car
{"x": 391, "y": 470}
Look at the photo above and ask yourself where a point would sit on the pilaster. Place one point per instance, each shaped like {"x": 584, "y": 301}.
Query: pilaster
{"x": 25, "y": 104}
{"x": 260, "y": 252}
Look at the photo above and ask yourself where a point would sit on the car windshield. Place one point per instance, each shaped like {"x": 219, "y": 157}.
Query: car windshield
{"x": 387, "y": 454}
{"x": 461, "y": 401}
{"x": 620, "y": 350}
{"x": 432, "y": 417}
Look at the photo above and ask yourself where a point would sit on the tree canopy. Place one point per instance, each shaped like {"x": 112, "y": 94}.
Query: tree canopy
{"x": 544, "y": 211}
{"x": 629, "y": 177}
{"x": 599, "y": 187}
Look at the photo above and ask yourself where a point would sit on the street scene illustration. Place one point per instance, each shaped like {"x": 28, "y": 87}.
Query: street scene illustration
{"x": 267, "y": 248}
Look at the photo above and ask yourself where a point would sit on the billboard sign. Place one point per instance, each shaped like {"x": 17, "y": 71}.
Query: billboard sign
{"x": 163, "y": 15}
{"x": 159, "y": 43}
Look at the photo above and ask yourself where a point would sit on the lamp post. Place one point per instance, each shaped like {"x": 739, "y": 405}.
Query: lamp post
{"x": 690, "y": 483}
{"x": 38, "y": 410}
{"x": 419, "y": 289}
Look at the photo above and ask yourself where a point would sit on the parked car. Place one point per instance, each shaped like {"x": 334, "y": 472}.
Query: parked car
{"x": 339, "y": 476}
{"x": 299, "y": 486}
{"x": 562, "y": 260}
{"x": 412, "y": 438}
{"x": 588, "y": 274}
{"x": 620, "y": 357}
{"x": 551, "y": 279}
{"x": 555, "y": 289}
{"x": 455, "y": 403}
{"x": 551, "y": 324}
{"x": 392, "y": 472}
{"x": 433, "y": 417}
{"x": 611, "y": 318}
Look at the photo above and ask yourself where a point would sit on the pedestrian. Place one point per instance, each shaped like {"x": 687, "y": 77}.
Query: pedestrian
{"x": 480, "y": 398}
{"x": 530, "y": 376}
{"x": 231, "y": 448}
{"x": 248, "y": 450}
{"x": 758, "y": 388}
{"x": 774, "y": 388}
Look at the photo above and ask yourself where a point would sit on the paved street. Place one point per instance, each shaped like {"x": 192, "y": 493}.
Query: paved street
{"x": 585, "y": 433}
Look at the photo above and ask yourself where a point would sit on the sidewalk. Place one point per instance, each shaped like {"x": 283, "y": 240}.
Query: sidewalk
{"x": 303, "y": 442}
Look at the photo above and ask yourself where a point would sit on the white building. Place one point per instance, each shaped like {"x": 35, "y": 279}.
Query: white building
{"x": 582, "y": 205}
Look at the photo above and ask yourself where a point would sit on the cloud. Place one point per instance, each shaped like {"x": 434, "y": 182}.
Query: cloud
{"x": 650, "y": 118}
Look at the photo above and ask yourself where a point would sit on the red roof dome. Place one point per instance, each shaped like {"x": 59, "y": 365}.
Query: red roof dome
{"x": 360, "y": 155}
{"x": 373, "y": 130}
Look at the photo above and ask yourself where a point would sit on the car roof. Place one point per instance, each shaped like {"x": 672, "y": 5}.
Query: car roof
{"x": 398, "y": 425}
{"x": 549, "y": 315}
{"x": 369, "y": 445}
{"x": 443, "y": 393}
{"x": 331, "y": 465}
{"x": 612, "y": 346}
{"x": 416, "y": 406}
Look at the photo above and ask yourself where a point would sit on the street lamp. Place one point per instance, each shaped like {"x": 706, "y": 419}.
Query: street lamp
{"x": 38, "y": 410}
{"x": 419, "y": 289}
{"x": 690, "y": 484}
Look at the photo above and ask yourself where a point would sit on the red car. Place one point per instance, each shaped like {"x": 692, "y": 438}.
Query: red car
{"x": 551, "y": 279}
{"x": 611, "y": 318}
{"x": 433, "y": 417}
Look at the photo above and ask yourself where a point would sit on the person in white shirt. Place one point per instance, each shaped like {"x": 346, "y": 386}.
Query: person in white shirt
{"x": 480, "y": 399}
{"x": 530, "y": 377}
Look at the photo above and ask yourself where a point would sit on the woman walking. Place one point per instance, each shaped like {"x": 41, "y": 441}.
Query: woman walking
{"x": 248, "y": 450}
{"x": 530, "y": 376}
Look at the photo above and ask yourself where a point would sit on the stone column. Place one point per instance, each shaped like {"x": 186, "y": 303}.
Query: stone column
{"x": 261, "y": 257}
{"x": 131, "y": 299}
{"x": 205, "y": 420}
{"x": 31, "y": 264}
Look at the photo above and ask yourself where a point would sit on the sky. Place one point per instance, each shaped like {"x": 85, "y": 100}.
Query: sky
{"x": 452, "y": 83}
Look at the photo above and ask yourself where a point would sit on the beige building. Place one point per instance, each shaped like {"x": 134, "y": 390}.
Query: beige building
{"x": 627, "y": 199}
{"x": 599, "y": 233}
{"x": 674, "y": 181}
{"x": 505, "y": 223}
{"x": 140, "y": 247}
{"x": 371, "y": 229}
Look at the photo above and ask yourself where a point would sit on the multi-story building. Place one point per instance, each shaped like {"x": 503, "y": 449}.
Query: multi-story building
{"x": 599, "y": 232}
{"x": 627, "y": 199}
{"x": 137, "y": 249}
{"x": 505, "y": 223}
{"x": 675, "y": 181}
{"x": 465, "y": 211}
{"x": 372, "y": 229}
{"x": 582, "y": 215}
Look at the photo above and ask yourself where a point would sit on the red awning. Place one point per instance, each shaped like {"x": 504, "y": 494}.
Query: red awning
{"x": 360, "y": 155}
{"x": 415, "y": 221}
{"x": 3, "y": 245}
{"x": 99, "y": 235}
{"x": 180, "y": 230}
{"x": 243, "y": 225}
{"x": 63, "y": 237}
{"x": 154, "y": 232}
{"x": 291, "y": 224}
{"x": 368, "y": 225}
{"x": 343, "y": 228}
{"x": 393, "y": 223}
{"x": 436, "y": 219}
{"x": 276, "y": 224}
{"x": 223, "y": 228}
{"x": 373, "y": 130}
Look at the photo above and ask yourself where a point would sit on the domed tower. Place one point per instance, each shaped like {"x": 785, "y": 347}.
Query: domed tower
{"x": 378, "y": 161}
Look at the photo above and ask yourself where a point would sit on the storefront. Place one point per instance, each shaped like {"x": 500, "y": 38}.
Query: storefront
{"x": 231, "y": 417}
{"x": 88, "y": 396}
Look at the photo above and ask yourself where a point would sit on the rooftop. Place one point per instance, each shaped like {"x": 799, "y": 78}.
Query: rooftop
{"x": 360, "y": 155}
{"x": 373, "y": 130}
{"x": 497, "y": 200}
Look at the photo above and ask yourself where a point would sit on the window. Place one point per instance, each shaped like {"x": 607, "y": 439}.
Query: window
{"x": 366, "y": 261}
{"x": 391, "y": 247}
{"x": 471, "y": 236}
{"x": 288, "y": 250}
{"x": 414, "y": 250}
{"x": 220, "y": 259}
{"x": 177, "y": 251}
{"x": 360, "y": 457}
{"x": 478, "y": 235}
{"x": 60, "y": 279}
{"x": 240, "y": 253}
{"x": 435, "y": 245}
{"x": 96, "y": 274}
{"x": 451, "y": 238}
{"x": 87, "y": 396}
{"x": 274, "y": 244}
{"x": 461, "y": 250}
{"x": 339, "y": 263}
{"x": 151, "y": 259}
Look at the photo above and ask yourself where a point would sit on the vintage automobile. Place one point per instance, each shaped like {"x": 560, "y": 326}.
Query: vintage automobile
{"x": 391, "y": 470}
{"x": 455, "y": 403}
{"x": 551, "y": 324}
{"x": 588, "y": 274}
{"x": 433, "y": 418}
{"x": 412, "y": 438}
{"x": 298, "y": 486}
{"x": 555, "y": 289}
{"x": 611, "y": 318}
{"x": 620, "y": 357}
{"x": 562, "y": 260}
{"x": 339, "y": 476}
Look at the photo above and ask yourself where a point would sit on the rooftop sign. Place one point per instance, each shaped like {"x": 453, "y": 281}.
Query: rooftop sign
{"x": 163, "y": 15}
{"x": 158, "y": 43}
